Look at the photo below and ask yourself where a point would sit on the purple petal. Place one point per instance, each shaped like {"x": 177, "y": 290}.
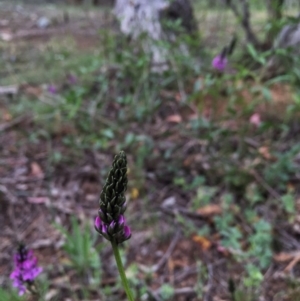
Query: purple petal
{"x": 30, "y": 275}
{"x": 121, "y": 220}
{"x": 15, "y": 274}
{"x": 22, "y": 290}
{"x": 127, "y": 232}
{"x": 104, "y": 229}
{"x": 98, "y": 223}
{"x": 219, "y": 63}
{"x": 52, "y": 89}
{"x": 72, "y": 79}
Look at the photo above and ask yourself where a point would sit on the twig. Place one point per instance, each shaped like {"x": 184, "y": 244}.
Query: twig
{"x": 176, "y": 211}
{"x": 210, "y": 282}
{"x": 265, "y": 185}
{"x": 184, "y": 291}
{"x": 11, "y": 210}
{"x": 164, "y": 258}
{"x": 185, "y": 273}
{"x": 7, "y": 125}
{"x": 252, "y": 142}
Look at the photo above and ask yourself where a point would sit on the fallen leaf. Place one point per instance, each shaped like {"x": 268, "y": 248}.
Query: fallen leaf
{"x": 51, "y": 294}
{"x": 38, "y": 200}
{"x": 192, "y": 159}
{"x": 134, "y": 194}
{"x": 36, "y": 170}
{"x": 32, "y": 90}
{"x": 6, "y": 36}
{"x": 174, "y": 118}
{"x": 265, "y": 152}
{"x": 283, "y": 256}
{"x": 293, "y": 257}
{"x": 204, "y": 243}
{"x": 7, "y": 116}
{"x": 178, "y": 97}
{"x": 169, "y": 202}
{"x": 291, "y": 188}
{"x": 210, "y": 210}
{"x": 171, "y": 266}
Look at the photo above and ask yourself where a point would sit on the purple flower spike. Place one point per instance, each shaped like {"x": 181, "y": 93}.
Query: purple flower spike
{"x": 111, "y": 223}
{"x": 26, "y": 269}
{"x": 219, "y": 63}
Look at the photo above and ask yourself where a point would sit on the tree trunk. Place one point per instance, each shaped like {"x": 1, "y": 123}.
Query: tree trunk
{"x": 138, "y": 17}
{"x": 275, "y": 9}
{"x": 289, "y": 37}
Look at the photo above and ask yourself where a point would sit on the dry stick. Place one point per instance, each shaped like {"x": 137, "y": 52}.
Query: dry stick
{"x": 185, "y": 273}
{"x": 11, "y": 211}
{"x": 16, "y": 121}
{"x": 210, "y": 282}
{"x": 259, "y": 179}
{"x": 164, "y": 258}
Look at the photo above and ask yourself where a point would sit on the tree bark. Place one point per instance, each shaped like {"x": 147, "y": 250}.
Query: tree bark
{"x": 274, "y": 8}
{"x": 140, "y": 17}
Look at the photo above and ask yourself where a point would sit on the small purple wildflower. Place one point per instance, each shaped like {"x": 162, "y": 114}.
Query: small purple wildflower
{"x": 26, "y": 269}
{"x": 52, "y": 89}
{"x": 219, "y": 62}
{"x": 72, "y": 79}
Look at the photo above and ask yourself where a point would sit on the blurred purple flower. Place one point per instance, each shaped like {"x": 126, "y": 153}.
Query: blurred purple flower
{"x": 255, "y": 119}
{"x": 72, "y": 79}
{"x": 219, "y": 62}
{"x": 26, "y": 269}
{"x": 52, "y": 89}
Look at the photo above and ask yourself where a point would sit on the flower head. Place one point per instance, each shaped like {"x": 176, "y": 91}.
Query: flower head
{"x": 72, "y": 79}
{"x": 110, "y": 222}
{"x": 52, "y": 89}
{"x": 255, "y": 119}
{"x": 219, "y": 62}
{"x": 26, "y": 269}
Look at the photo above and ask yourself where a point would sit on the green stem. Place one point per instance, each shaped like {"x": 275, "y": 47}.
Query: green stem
{"x": 121, "y": 271}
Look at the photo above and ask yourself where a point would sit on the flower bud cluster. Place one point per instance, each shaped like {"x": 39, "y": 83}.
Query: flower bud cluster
{"x": 110, "y": 222}
{"x": 26, "y": 269}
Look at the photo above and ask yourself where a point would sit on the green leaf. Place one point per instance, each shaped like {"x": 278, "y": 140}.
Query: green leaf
{"x": 166, "y": 291}
{"x": 288, "y": 202}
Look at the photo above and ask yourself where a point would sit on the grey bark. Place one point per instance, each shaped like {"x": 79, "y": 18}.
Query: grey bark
{"x": 275, "y": 9}
{"x": 288, "y": 38}
{"x": 140, "y": 17}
